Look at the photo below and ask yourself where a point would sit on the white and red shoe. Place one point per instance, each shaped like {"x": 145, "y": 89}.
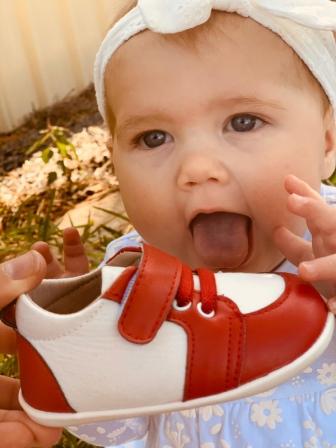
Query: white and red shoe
{"x": 160, "y": 338}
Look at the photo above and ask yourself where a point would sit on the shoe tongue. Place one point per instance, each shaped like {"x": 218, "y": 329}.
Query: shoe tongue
{"x": 221, "y": 239}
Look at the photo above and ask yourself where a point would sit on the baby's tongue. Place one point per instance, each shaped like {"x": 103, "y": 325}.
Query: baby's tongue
{"x": 221, "y": 239}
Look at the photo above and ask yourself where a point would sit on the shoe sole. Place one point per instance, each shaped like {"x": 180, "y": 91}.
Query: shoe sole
{"x": 255, "y": 387}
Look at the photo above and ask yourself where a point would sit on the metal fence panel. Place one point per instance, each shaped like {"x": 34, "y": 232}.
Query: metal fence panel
{"x": 47, "y": 50}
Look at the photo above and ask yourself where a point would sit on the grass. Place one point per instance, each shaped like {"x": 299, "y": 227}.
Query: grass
{"x": 33, "y": 221}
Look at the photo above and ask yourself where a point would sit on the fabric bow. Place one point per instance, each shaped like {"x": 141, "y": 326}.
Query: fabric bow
{"x": 173, "y": 16}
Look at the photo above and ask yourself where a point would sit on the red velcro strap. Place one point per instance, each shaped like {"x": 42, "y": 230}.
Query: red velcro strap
{"x": 151, "y": 297}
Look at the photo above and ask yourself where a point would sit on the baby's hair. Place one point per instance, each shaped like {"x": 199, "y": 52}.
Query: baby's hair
{"x": 196, "y": 37}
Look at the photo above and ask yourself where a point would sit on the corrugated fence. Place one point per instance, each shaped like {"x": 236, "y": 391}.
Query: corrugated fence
{"x": 47, "y": 49}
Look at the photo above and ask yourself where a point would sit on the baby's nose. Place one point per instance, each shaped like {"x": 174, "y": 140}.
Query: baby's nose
{"x": 197, "y": 169}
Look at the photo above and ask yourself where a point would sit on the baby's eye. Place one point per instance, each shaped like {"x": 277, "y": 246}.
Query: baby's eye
{"x": 154, "y": 139}
{"x": 244, "y": 123}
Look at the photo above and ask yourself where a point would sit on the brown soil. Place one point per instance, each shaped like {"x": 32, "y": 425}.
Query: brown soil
{"x": 73, "y": 113}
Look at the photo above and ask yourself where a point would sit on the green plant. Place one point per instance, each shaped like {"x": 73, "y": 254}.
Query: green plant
{"x": 9, "y": 365}
{"x": 55, "y": 138}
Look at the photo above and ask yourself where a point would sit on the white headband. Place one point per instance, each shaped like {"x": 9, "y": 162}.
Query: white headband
{"x": 305, "y": 25}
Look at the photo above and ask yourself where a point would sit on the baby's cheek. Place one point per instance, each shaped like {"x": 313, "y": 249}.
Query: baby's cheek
{"x": 148, "y": 218}
{"x": 272, "y": 212}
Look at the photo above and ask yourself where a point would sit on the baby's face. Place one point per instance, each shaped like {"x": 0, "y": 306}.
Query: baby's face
{"x": 204, "y": 139}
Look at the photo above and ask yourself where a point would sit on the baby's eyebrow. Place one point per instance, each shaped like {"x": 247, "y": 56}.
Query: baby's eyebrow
{"x": 160, "y": 115}
{"x": 135, "y": 120}
{"x": 247, "y": 101}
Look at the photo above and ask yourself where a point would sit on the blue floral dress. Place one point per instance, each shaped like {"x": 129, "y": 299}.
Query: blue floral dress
{"x": 300, "y": 413}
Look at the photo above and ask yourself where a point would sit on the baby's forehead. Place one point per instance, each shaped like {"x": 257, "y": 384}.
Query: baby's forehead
{"x": 253, "y": 41}
{"x": 230, "y": 37}
{"x": 263, "y": 44}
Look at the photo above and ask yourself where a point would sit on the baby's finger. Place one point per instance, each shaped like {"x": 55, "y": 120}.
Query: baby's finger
{"x": 319, "y": 269}
{"x": 293, "y": 247}
{"x": 296, "y": 185}
{"x": 54, "y": 267}
{"x": 320, "y": 217}
{"x": 75, "y": 260}
{"x": 307, "y": 203}
{"x": 18, "y": 275}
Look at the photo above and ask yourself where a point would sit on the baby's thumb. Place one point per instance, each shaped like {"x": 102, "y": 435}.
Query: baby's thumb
{"x": 20, "y": 275}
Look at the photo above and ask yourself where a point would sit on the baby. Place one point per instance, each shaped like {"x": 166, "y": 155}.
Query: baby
{"x": 220, "y": 137}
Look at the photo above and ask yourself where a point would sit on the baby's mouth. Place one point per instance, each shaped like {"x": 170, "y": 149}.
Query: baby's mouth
{"x": 222, "y": 240}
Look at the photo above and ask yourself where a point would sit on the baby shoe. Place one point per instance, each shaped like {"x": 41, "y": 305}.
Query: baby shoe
{"x": 144, "y": 335}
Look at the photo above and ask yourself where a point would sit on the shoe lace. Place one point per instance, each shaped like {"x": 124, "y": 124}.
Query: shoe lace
{"x": 208, "y": 289}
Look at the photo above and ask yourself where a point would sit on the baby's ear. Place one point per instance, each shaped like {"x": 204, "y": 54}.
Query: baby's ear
{"x": 329, "y": 161}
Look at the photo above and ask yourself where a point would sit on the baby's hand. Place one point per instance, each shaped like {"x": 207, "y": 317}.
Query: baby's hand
{"x": 316, "y": 260}
{"x": 75, "y": 260}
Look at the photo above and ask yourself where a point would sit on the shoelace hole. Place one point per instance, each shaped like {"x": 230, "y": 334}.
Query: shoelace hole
{"x": 181, "y": 308}
{"x": 203, "y": 313}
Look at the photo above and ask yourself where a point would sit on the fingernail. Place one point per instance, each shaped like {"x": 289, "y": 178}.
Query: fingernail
{"x": 23, "y": 266}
